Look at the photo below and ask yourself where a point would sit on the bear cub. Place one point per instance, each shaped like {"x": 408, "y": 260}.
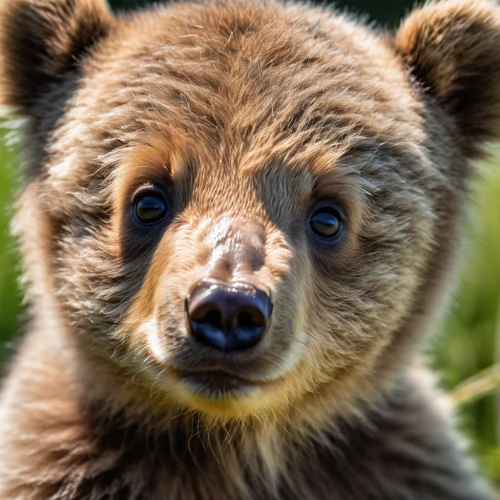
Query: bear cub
{"x": 240, "y": 220}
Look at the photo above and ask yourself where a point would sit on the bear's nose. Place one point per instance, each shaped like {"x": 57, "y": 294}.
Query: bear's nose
{"x": 228, "y": 317}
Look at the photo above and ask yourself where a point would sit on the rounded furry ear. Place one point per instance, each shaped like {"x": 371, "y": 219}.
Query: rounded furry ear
{"x": 453, "y": 50}
{"x": 41, "y": 40}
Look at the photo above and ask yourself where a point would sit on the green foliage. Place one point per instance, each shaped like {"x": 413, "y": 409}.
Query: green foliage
{"x": 470, "y": 340}
{"x": 10, "y": 298}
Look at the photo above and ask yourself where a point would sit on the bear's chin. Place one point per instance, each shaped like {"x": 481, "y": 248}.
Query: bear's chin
{"x": 222, "y": 396}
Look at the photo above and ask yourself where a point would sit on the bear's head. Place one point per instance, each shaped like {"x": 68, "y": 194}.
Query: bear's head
{"x": 249, "y": 211}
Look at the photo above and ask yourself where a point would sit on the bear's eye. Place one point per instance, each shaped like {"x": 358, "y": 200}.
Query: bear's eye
{"x": 326, "y": 222}
{"x": 150, "y": 206}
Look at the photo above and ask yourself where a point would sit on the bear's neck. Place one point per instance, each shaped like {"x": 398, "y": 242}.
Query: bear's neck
{"x": 59, "y": 441}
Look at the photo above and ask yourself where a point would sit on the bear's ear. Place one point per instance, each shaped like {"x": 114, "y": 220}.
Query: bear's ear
{"x": 453, "y": 49}
{"x": 40, "y": 41}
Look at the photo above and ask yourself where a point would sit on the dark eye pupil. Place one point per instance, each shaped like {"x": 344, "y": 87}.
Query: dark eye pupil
{"x": 325, "y": 223}
{"x": 150, "y": 208}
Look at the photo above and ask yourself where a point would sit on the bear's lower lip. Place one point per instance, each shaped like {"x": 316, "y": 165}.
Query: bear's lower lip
{"x": 217, "y": 381}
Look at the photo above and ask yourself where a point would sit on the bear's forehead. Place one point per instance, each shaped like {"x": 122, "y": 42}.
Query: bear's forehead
{"x": 252, "y": 79}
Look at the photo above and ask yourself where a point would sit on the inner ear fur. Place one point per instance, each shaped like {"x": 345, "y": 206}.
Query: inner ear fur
{"x": 452, "y": 48}
{"x": 41, "y": 40}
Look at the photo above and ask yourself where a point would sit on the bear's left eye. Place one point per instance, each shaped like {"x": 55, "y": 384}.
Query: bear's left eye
{"x": 326, "y": 222}
{"x": 150, "y": 206}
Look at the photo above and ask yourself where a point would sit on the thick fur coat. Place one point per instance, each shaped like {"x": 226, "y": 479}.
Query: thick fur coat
{"x": 248, "y": 118}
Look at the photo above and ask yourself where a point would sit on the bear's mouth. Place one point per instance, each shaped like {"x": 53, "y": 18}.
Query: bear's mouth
{"x": 217, "y": 381}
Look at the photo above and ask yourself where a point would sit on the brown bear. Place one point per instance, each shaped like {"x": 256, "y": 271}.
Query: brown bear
{"x": 240, "y": 221}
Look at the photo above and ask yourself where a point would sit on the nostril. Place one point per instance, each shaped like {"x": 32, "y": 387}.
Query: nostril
{"x": 212, "y": 318}
{"x": 250, "y": 319}
{"x": 244, "y": 319}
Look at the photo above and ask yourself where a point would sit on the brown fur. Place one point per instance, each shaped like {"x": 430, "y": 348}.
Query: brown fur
{"x": 245, "y": 114}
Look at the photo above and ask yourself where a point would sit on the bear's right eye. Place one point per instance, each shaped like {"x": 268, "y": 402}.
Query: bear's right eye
{"x": 150, "y": 206}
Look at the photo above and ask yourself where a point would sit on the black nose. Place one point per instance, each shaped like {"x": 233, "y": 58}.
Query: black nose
{"x": 229, "y": 318}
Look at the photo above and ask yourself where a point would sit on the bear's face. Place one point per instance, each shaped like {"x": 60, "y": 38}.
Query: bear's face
{"x": 245, "y": 208}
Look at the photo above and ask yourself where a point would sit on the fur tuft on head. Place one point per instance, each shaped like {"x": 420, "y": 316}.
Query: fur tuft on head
{"x": 452, "y": 48}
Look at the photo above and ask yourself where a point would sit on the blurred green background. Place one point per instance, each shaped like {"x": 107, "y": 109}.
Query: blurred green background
{"x": 468, "y": 342}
